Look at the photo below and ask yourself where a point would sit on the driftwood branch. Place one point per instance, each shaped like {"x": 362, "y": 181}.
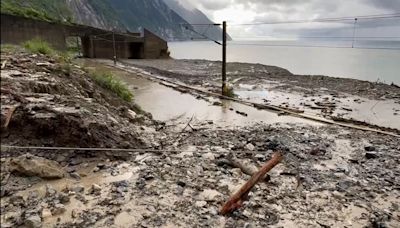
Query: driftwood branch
{"x": 234, "y": 162}
{"x": 7, "y": 117}
{"x": 240, "y": 196}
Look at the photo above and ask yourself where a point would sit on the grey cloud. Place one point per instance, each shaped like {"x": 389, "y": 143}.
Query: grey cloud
{"x": 392, "y": 5}
{"x": 283, "y": 10}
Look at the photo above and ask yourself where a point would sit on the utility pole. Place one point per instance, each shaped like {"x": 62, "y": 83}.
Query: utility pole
{"x": 115, "y": 51}
{"x": 224, "y": 89}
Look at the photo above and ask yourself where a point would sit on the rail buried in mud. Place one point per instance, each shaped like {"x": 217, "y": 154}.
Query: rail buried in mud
{"x": 201, "y": 93}
{"x": 166, "y": 101}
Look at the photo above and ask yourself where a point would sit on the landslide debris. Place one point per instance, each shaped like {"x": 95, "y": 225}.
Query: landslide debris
{"x": 45, "y": 102}
{"x": 35, "y": 166}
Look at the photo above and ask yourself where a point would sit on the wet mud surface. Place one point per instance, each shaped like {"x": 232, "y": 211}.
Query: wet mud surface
{"x": 328, "y": 97}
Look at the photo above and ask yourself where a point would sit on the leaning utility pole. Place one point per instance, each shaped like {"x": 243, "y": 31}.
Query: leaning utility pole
{"x": 224, "y": 89}
{"x": 115, "y": 51}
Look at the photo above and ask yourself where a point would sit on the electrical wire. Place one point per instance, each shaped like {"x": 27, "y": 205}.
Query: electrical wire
{"x": 309, "y": 46}
{"x": 332, "y": 19}
{"x": 202, "y": 35}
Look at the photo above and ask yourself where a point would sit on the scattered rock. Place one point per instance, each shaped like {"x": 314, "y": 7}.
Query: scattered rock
{"x": 209, "y": 195}
{"x": 369, "y": 148}
{"x": 33, "y": 221}
{"x": 35, "y": 166}
{"x": 200, "y": 203}
{"x": 209, "y": 156}
{"x": 77, "y": 188}
{"x": 50, "y": 191}
{"x": 63, "y": 197}
{"x": 17, "y": 200}
{"x": 75, "y": 175}
{"x": 181, "y": 183}
{"x": 95, "y": 189}
{"x": 46, "y": 213}
{"x": 371, "y": 155}
{"x": 58, "y": 209}
{"x": 250, "y": 147}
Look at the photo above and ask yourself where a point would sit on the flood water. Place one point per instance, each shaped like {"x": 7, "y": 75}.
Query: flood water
{"x": 165, "y": 104}
{"x": 364, "y": 64}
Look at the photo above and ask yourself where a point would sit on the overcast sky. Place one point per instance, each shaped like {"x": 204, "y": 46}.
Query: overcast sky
{"x": 250, "y": 11}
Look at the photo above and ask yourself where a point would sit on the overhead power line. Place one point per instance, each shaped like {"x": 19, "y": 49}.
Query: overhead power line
{"x": 202, "y": 35}
{"x": 331, "y": 19}
{"x": 269, "y": 38}
{"x": 310, "y": 46}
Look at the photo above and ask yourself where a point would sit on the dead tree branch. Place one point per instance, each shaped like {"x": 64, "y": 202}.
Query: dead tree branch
{"x": 237, "y": 199}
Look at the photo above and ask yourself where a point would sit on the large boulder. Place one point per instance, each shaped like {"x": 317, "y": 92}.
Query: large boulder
{"x": 35, "y": 166}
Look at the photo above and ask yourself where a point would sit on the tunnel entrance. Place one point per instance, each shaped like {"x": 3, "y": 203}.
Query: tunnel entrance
{"x": 136, "y": 50}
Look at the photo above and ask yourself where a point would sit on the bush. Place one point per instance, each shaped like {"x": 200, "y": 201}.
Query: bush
{"x": 228, "y": 91}
{"x": 39, "y": 46}
{"x": 108, "y": 81}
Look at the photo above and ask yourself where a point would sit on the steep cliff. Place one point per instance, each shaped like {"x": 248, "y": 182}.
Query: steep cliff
{"x": 163, "y": 17}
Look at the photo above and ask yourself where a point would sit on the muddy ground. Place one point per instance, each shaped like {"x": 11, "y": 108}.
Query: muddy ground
{"x": 327, "y": 97}
{"x": 330, "y": 177}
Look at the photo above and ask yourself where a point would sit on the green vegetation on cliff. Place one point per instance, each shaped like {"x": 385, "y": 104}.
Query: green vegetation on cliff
{"x": 47, "y": 10}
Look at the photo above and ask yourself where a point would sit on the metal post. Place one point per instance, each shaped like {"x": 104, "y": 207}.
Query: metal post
{"x": 354, "y": 32}
{"x": 115, "y": 51}
{"x": 224, "y": 58}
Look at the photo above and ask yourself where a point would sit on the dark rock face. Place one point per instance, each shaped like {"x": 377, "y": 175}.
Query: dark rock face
{"x": 163, "y": 17}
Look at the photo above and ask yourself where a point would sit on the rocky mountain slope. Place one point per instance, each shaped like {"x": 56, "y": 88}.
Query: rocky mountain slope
{"x": 195, "y": 16}
{"x": 163, "y": 17}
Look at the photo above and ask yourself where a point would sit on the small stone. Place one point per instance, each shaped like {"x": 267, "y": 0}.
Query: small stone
{"x": 369, "y": 148}
{"x": 209, "y": 156}
{"x": 58, "y": 209}
{"x": 33, "y": 221}
{"x": 250, "y": 147}
{"x": 371, "y": 155}
{"x": 17, "y": 200}
{"x": 64, "y": 198}
{"x": 96, "y": 169}
{"x": 77, "y": 188}
{"x": 200, "y": 203}
{"x": 75, "y": 175}
{"x": 95, "y": 189}
{"x": 74, "y": 213}
{"x": 259, "y": 157}
{"x": 50, "y": 191}
{"x": 209, "y": 195}
{"x": 181, "y": 183}
{"x": 46, "y": 213}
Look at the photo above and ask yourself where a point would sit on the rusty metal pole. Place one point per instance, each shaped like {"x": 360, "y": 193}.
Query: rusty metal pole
{"x": 224, "y": 58}
{"x": 115, "y": 51}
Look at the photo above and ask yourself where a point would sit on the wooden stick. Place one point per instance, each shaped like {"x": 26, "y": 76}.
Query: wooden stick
{"x": 240, "y": 196}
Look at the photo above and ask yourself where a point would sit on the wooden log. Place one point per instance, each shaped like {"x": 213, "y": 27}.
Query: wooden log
{"x": 7, "y": 116}
{"x": 237, "y": 199}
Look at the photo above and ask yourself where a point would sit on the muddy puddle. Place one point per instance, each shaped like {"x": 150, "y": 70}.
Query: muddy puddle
{"x": 385, "y": 113}
{"x": 166, "y": 104}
